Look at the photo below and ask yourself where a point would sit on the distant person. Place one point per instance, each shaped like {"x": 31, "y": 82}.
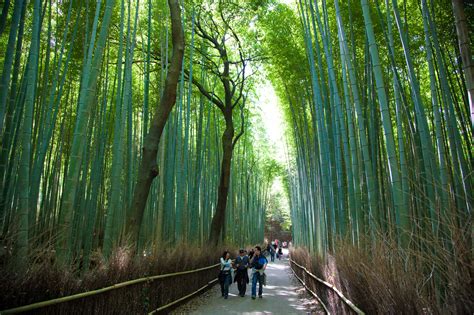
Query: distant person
{"x": 271, "y": 252}
{"x": 259, "y": 264}
{"x": 280, "y": 252}
{"x": 275, "y": 248}
{"x": 241, "y": 276}
{"x": 225, "y": 278}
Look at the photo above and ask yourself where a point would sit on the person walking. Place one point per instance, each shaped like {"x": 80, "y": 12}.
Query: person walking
{"x": 241, "y": 276}
{"x": 259, "y": 264}
{"x": 275, "y": 247}
{"x": 272, "y": 252}
{"x": 225, "y": 278}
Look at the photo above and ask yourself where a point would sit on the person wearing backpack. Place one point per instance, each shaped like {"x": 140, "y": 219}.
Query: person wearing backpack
{"x": 225, "y": 278}
{"x": 241, "y": 276}
{"x": 258, "y": 263}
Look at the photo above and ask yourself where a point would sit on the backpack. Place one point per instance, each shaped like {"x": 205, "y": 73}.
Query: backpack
{"x": 260, "y": 262}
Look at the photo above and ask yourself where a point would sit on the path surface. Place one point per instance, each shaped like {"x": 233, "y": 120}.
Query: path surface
{"x": 283, "y": 294}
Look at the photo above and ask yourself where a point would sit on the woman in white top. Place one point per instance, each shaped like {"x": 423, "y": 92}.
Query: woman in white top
{"x": 225, "y": 277}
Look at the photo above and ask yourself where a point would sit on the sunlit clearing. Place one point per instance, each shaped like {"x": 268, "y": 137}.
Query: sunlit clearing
{"x": 272, "y": 119}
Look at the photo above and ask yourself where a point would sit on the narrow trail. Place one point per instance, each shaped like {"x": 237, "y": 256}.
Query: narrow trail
{"x": 283, "y": 294}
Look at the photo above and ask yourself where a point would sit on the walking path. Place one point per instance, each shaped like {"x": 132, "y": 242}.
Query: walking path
{"x": 283, "y": 294}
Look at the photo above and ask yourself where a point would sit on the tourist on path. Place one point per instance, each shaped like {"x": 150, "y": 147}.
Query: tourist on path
{"x": 225, "y": 278}
{"x": 258, "y": 263}
{"x": 272, "y": 252}
{"x": 242, "y": 276}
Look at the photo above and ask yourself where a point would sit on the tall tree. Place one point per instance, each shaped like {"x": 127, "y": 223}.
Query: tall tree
{"x": 148, "y": 168}
{"x": 218, "y": 34}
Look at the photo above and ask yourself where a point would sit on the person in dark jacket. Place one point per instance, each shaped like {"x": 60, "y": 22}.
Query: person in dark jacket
{"x": 241, "y": 276}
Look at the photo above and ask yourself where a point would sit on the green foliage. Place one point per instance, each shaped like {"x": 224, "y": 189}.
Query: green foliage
{"x": 363, "y": 105}
{"x": 378, "y": 135}
{"x": 88, "y": 121}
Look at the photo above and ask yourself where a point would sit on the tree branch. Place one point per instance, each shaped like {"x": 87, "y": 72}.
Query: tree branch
{"x": 210, "y": 96}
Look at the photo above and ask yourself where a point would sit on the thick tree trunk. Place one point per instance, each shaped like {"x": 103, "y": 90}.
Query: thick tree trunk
{"x": 148, "y": 168}
{"x": 465, "y": 50}
{"x": 218, "y": 220}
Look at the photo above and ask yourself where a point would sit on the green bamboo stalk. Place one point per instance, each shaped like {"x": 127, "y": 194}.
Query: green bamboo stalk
{"x": 22, "y": 245}
{"x": 394, "y": 171}
{"x": 8, "y": 61}
{"x": 88, "y": 85}
{"x": 426, "y": 144}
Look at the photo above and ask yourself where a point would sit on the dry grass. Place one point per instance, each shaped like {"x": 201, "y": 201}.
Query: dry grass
{"x": 385, "y": 280}
{"x": 45, "y": 280}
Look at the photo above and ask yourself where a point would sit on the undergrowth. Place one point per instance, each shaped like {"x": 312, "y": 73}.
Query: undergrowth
{"x": 45, "y": 280}
{"x": 382, "y": 279}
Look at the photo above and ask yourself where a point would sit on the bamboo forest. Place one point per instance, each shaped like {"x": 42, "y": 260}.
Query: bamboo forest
{"x": 142, "y": 138}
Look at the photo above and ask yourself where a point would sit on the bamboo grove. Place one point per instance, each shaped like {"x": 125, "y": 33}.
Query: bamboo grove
{"x": 380, "y": 128}
{"x": 79, "y": 87}
{"x": 377, "y": 101}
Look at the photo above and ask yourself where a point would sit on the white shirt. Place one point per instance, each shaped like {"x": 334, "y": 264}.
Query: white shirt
{"x": 226, "y": 265}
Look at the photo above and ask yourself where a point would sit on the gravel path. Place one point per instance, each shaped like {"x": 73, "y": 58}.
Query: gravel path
{"x": 283, "y": 294}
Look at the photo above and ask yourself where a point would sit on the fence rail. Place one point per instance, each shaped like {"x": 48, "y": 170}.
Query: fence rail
{"x": 162, "y": 308}
{"x": 64, "y": 299}
{"x": 327, "y": 284}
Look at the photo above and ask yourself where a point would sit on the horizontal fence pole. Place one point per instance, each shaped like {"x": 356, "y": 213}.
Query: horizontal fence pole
{"x": 99, "y": 291}
{"x": 183, "y": 298}
{"x": 332, "y": 287}
{"x": 312, "y": 293}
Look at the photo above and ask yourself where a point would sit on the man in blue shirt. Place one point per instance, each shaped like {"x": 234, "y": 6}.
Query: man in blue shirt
{"x": 242, "y": 277}
{"x": 259, "y": 264}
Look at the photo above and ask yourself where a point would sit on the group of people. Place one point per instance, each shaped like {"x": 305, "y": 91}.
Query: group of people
{"x": 275, "y": 249}
{"x": 254, "y": 260}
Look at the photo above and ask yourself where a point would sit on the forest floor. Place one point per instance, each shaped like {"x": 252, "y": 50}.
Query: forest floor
{"x": 283, "y": 294}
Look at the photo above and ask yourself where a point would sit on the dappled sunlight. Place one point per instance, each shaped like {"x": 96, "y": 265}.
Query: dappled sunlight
{"x": 276, "y": 266}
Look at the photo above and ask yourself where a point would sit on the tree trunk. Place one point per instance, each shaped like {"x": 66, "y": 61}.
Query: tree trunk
{"x": 218, "y": 220}
{"x": 148, "y": 169}
{"x": 465, "y": 50}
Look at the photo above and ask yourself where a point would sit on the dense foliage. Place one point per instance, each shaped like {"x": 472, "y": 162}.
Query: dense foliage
{"x": 381, "y": 136}
{"x": 379, "y": 132}
{"x": 81, "y": 81}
